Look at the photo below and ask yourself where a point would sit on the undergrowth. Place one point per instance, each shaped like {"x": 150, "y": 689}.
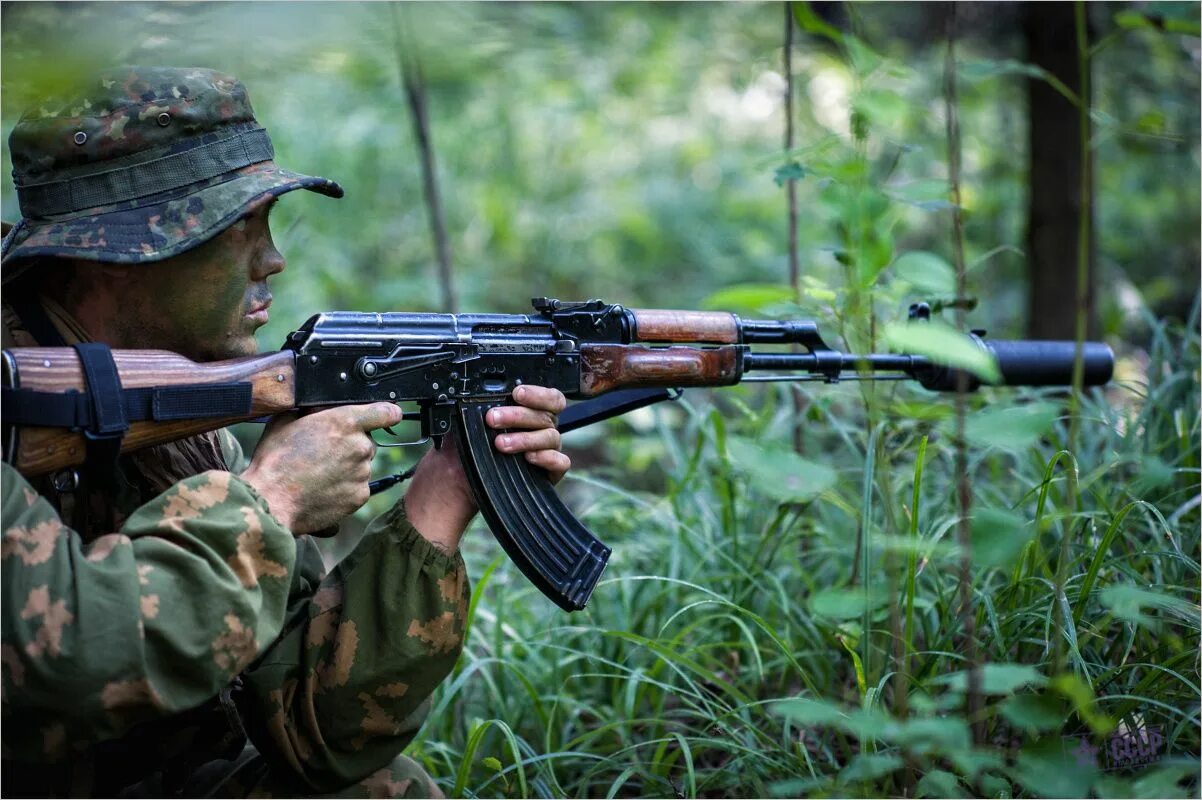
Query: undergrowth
{"x": 781, "y": 621}
{"x": 744, "y": 644}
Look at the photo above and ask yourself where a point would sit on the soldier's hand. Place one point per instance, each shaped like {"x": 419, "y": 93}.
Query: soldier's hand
{"x": 313, "y": 470}
{"x": 439, "y": 501}
{"x": 533, "y": 428}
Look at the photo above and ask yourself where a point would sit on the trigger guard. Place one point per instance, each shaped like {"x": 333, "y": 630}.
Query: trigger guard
{"x": 378, "y": 443}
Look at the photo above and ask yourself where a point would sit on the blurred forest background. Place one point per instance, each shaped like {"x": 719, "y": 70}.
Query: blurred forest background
{"x": 793, "y": 606}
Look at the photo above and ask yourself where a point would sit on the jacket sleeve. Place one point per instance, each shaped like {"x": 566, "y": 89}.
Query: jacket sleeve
{"x": 345, "y": 688}
{"x": 138, "y": 624}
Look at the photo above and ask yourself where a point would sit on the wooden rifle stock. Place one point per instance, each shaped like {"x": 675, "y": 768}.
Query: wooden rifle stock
{"x": 39, "y": 450}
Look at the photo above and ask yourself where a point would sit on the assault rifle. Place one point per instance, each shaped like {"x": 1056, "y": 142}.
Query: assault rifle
{"x": 65, "y": 406}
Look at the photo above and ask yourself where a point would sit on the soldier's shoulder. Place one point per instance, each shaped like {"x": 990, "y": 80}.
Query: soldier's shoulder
{"x": 17, "y": 495}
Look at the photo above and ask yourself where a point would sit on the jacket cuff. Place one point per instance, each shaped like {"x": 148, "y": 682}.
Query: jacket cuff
{"x": 260, "y": 501}
{"x": 397, "y": 525}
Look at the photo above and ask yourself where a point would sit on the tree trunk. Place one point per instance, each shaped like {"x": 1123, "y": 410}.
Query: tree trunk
{"x": 1056, "y": 160}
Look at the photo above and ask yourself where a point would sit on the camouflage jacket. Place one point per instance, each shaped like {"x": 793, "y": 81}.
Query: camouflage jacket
{"x": 116, "y": 641}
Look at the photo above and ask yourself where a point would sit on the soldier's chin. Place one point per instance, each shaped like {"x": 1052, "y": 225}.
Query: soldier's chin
{"x": 237, "y": 346}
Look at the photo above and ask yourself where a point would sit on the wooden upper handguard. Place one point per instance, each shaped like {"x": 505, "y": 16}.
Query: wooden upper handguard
{"x": 605, "y": 367}
{"x": 40, "y": 450}
{"x": 700, "y": 327}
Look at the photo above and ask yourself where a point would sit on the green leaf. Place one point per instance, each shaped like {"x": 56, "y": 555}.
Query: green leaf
{"x": 864, "y": 59}
{"x": 1153, "y": 474}
{"x": 926, "y": 272}
{"x": 807, "y": 711}
{"x": 880, "y": 106}
{"x": 875, "y": 253}
{"x": 493, "y": 763}
{"x": 869, "y": 767}
{"x": 943, "y": 345}
{"x": 1127, "y": 602}
{"x": 1084, "y": 703}
{"x": 996, "y": 678}
{"x": 998, "y": 537}
{"x": 933, "y": 734}
{"x": 924, "y": 548}
{"x": 868, "y": 724}
{"x": 793, "y": 171}
{"x": 778, "y": 472}
{"x": 863, "y": 723}
{"x": 856, "y": 663}
{"x": 994, "y": 786}
{"x": 844, "y": 603}
{"x": 1132, "y": 20}
{"x": 979, "y": 69}
{"x": 1188, "y": 27}
{"x": 920, "y": 410}
{"x": 747, "y": 298}
{"x": 1163, "y": 780}
{"x": 973, "y": 762}
{"x": 817, "y": 289}
{"x": 1151, "y": 122}
{"x": 1012, "y": 427}
{"x": 798, "y": 787}
{"x": 938, "y": 783}
{"x": 929, "y": 195}
{"x": 1053, "y": 768}
{"x": 810, "y": 22}
{"x": 1033, "y": 712}
{"x": 975, "y": 71}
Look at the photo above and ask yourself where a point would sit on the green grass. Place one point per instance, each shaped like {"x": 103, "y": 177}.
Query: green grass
{"x": 728, "y": 652}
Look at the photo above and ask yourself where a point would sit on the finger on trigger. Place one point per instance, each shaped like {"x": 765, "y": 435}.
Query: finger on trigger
{"x": 378, "y": 415}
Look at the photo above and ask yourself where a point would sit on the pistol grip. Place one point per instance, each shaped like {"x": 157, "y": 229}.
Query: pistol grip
{"x": 549, "y": 545}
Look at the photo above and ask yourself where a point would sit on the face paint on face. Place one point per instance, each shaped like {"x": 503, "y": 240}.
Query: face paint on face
{"x": 208, "y": 302}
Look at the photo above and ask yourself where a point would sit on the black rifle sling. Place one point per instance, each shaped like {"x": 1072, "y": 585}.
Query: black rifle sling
{"x": 158, "y": 403}
{"x": 613, "y": 404}
{"x": 109, "y": 423}
{"x": 549, "y": 545}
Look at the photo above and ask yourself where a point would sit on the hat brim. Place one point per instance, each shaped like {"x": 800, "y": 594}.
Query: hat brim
{"x": 161, "y": 227}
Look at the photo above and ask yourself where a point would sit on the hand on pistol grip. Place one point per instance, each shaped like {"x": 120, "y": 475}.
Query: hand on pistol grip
{"x": 515, "y": 494}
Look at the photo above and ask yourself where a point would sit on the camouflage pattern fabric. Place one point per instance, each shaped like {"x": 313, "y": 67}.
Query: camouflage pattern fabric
{"x": 127, "y": 120}
{"x": 114, "y": 645}
{"x": 152, "y": 620}
{"x": 136, "y": 624}
{"x": 250, "y": 776}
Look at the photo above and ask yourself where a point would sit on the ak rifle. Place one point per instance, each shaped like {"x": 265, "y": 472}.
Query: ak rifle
{"x": 63, "y": 407}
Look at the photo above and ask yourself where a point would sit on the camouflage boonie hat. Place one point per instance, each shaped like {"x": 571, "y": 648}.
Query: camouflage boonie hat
{"x": 145, "y": 164}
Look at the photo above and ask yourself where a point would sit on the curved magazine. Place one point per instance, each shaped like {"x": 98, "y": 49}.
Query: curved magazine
{"x": 549, "y": 545}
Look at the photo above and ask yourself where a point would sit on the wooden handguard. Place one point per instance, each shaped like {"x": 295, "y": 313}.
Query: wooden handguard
{"x": 40, "y": 450}
{"x": 700, "y": 327}
{"x": 605, "y": 367}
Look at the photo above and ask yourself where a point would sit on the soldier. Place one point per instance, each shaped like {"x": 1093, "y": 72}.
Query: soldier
{"x": 168, "y": 626}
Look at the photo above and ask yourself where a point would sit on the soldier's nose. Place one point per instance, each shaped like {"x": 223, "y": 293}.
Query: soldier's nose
{"x": 270, "y": 263}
